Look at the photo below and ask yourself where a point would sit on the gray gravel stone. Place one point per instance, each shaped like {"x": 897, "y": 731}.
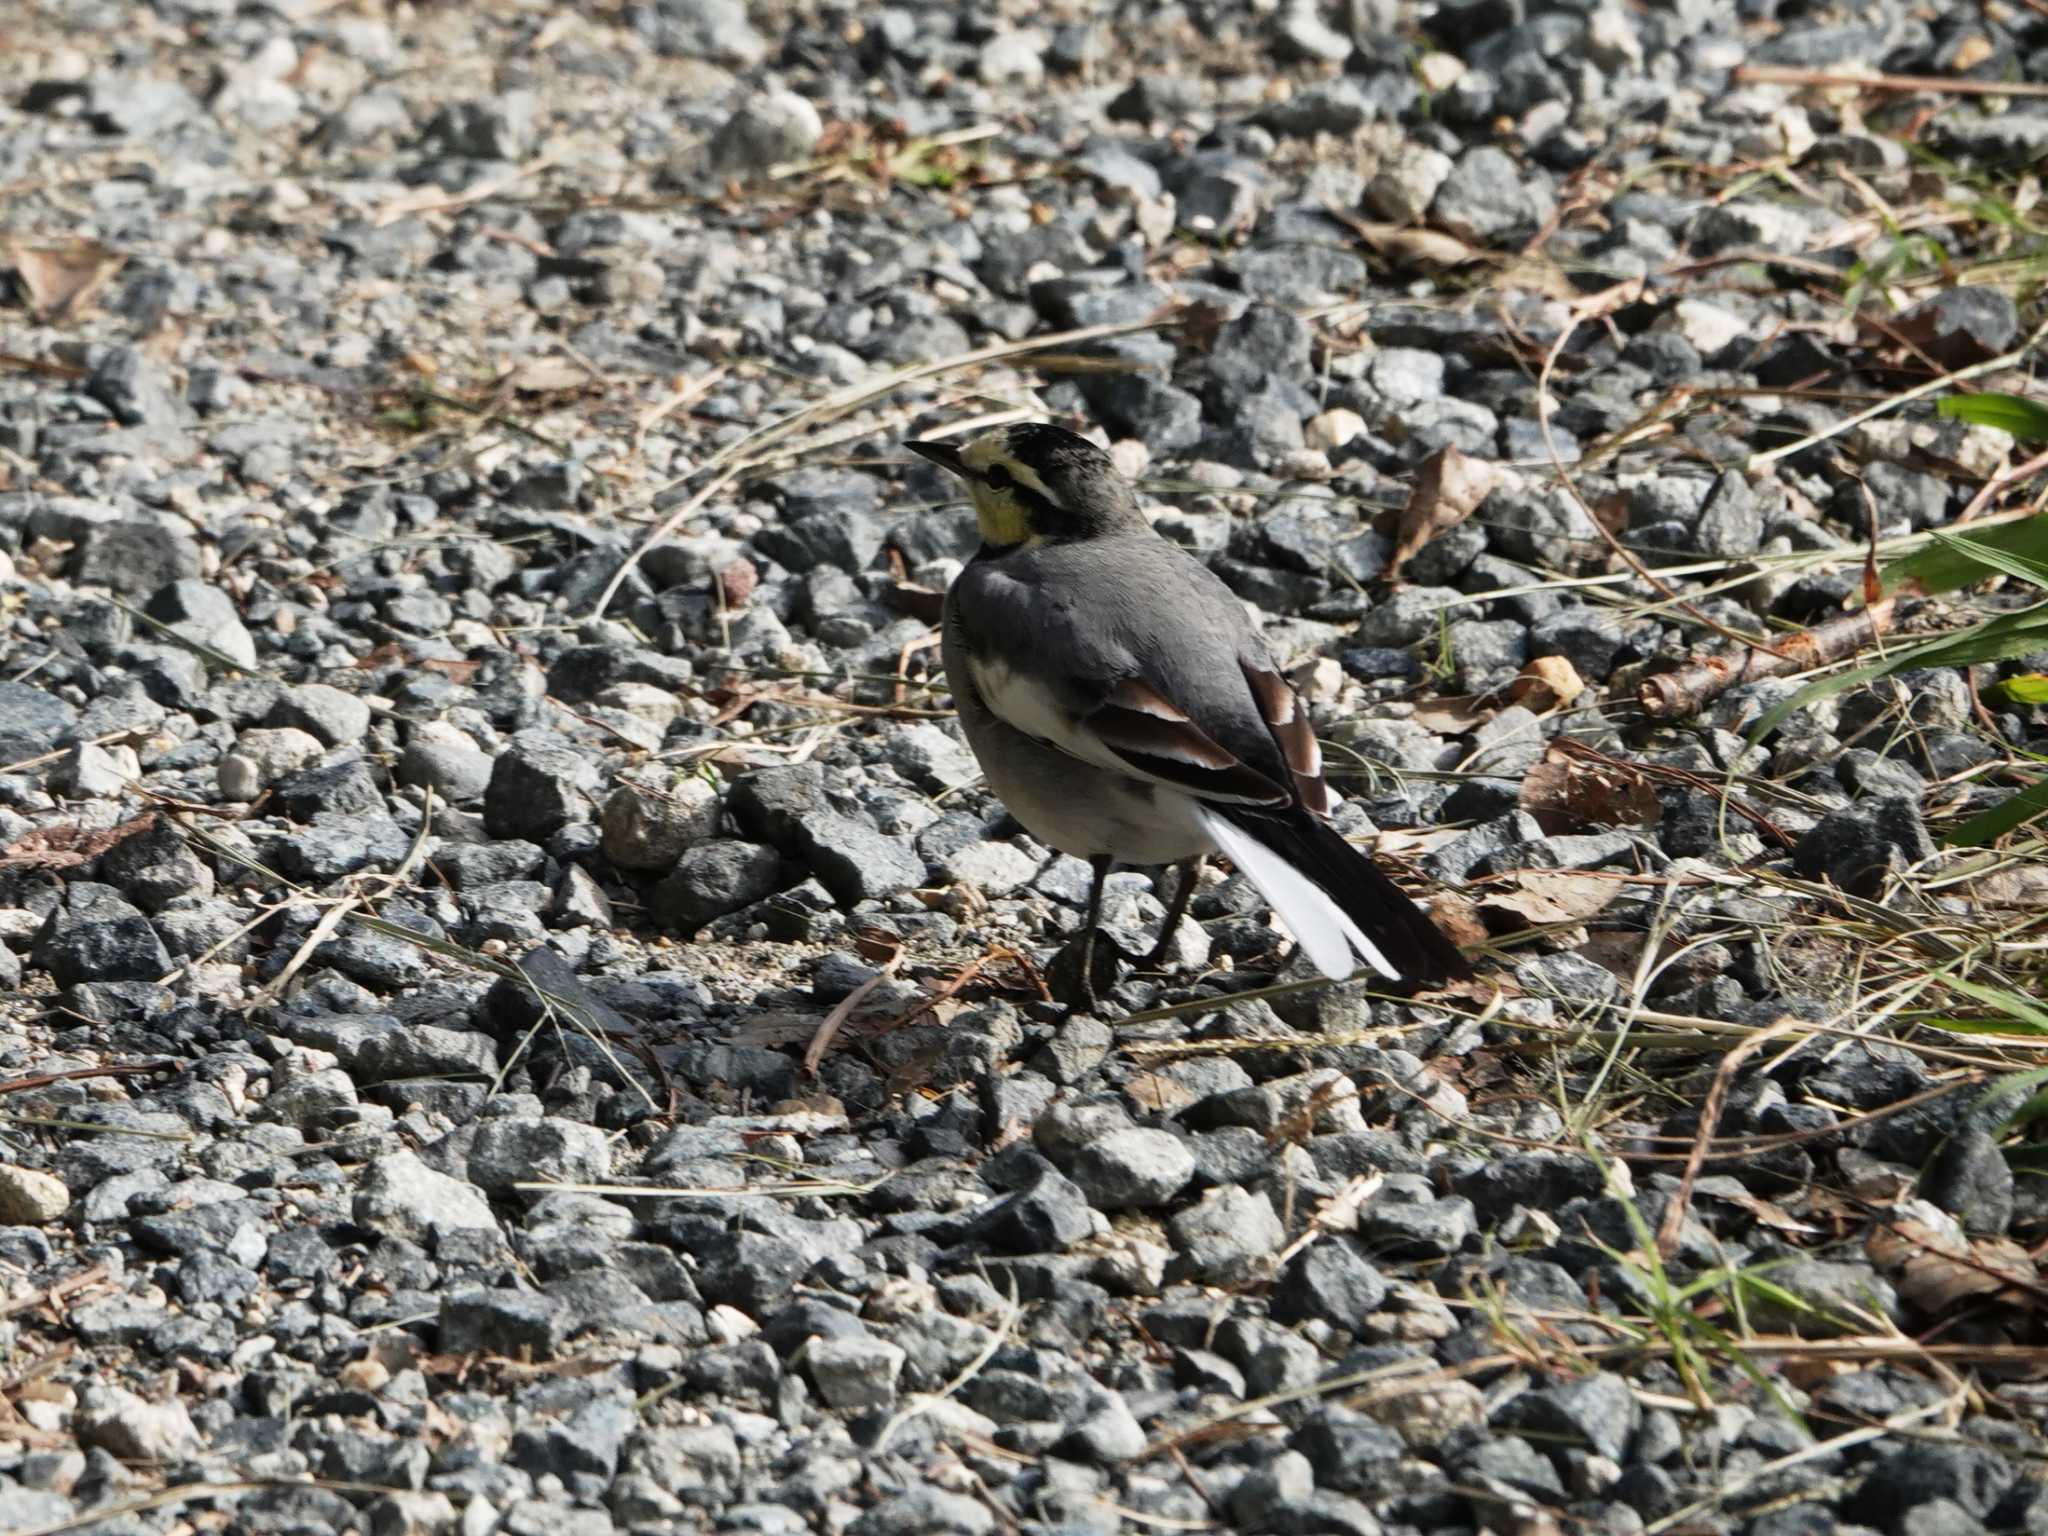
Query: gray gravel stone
{"x": 714, "y": 878}
{"x": 1226, "y": 1238}
{"x": 122, "y": 1424}
{"x": 206, "y": 615}
{"x": 402, "y": 1197}
{"x": 1130, "y": 1168}
{"x": 539, "y": 785}
{"x": 775, "y": 128}
{"x": 332, "y": 717}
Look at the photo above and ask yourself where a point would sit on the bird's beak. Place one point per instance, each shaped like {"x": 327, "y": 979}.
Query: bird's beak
{"x": 945, "y": 455}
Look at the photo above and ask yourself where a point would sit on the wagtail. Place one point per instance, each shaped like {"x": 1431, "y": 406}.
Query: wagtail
{"x": 1126, "y": 711}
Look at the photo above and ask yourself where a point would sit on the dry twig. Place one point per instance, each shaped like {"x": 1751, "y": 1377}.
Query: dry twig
{"x": 1710, "y": 1116}
{"x": 1673, "y": 695}
{"x": 1778, "y": 74}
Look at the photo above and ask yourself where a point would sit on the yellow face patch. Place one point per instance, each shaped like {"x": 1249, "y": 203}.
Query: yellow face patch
{"x": 993, "y": 477}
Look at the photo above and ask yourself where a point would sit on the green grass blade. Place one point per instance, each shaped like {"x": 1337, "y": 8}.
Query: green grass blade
{"x": 2016, "y": 414}
{"x": 2013, "y": 1004}
{"x": 2013, "y": 811}
{"x": 1953, "y": 561}
{"x": 2030, "y": 689}
{"x": 2020, "y": 564}
{"x": 2008, "y": 1101}
{"x": 2010, "y": 634}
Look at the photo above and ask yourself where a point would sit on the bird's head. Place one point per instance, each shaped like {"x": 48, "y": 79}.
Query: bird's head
{"x": 1038, "y": 484}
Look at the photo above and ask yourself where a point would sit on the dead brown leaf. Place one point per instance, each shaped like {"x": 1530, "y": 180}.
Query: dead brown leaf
{"x": 1611, "y": 513}
{"x": 1162, "y": 1095}
{"x": 1548, "y": 682}
{"x": 1767, "y": 1215}
{"x": 1423, "y": 249}
{"x": 1448, "y": 489}
{"x": 547, "y": 375}
{"x": 1936, "y": 1271}
{"x": 60, "y": 280}
{"x": 2024, "y": 886}
{"x": 69, "y": 845}
{"x": 1459, "y": 919}
{"x": 1200, "y": 324}
{"x": 1568, "y": 794}
{"x": 1545, "y": 896}
{"x": 1457, "y": 715}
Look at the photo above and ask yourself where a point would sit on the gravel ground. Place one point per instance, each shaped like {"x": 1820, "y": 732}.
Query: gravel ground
{"x": 520, "y": 1014}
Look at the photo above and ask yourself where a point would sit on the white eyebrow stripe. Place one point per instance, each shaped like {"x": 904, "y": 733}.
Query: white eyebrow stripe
{"x": 1027, "y": 477}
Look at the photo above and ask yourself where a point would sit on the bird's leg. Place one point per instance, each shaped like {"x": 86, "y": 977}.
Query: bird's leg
{"x": 1190, "y": 877}
{"x": 1084, "y": 987}
{"x": 1099, "y": 868}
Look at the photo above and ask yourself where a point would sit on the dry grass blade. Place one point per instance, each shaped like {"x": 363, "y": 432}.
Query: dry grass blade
{"x": 332, "y": 918}
{"x": 60, "y": 280}
{"x": 1934, "y": 386}
{"x": 1946, "y": 85}
{"x": 1710, "y": 1116}
{"x": 829, "y": 1029}
{"x": 927, "y": 1401}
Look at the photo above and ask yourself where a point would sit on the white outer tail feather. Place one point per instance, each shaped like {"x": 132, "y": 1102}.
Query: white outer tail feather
{"x": 1323, "y": 929}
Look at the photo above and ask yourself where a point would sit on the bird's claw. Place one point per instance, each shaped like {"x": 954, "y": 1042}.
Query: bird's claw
{"x": 1087, "y": 965}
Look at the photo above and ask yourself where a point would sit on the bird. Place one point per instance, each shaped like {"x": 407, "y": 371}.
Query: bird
{"x": 1124, "y": 708}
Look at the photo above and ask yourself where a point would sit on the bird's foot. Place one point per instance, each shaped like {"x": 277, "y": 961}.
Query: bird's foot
{"x": 1082, "y": 971}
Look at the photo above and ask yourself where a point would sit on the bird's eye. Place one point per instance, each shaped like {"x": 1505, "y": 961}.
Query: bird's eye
{"x": 997, "y": 477}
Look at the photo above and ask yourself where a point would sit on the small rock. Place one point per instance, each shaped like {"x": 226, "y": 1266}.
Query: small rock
{"x": 97, "y": 936}
{"x": 854, "y": 1374}
{"x": 30, "y": 1197}
{"x": 1014, "y": 59}
{"x": 401, "y": 1196}
{"x": 1132, "y": 1168}
{"x": 512, "y": 1149}
{"x": 1226, "y": 1238}
{"x": 501, "y": 1322}
{"x": 118, "y": 1422}
{"x": 539, "y": 785}
{"x": 202, "y": 613}
{"x": 994, "y": 869}
{"x": 1957, "y": 327}
{"x": 1408, "y": 183}
{"x": 649, "y": 828}
{"x": 1859, "y": 847}
{"x": 263, "y": 757}
{"x": 335, "y": 718}
{"x": 1488, "y": 197}
{"x": 714, "y": 878}
{"x": 1330, "y": 1280}
{"x": 771, "y": 129}
{"x": 1971, "y": 1180}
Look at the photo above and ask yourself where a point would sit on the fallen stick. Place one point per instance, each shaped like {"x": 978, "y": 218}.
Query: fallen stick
{"x": 1671, "y": 695}
{"x": 1778, "y": 74}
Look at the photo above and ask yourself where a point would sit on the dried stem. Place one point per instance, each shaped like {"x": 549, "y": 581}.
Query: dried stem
{"x": 1674, "y": 695}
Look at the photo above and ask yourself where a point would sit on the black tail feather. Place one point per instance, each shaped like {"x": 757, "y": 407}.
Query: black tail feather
{"x": 1383, "y": 912}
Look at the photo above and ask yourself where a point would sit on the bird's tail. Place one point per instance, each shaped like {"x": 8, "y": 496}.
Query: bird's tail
{"x": 1332, "y": 896}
